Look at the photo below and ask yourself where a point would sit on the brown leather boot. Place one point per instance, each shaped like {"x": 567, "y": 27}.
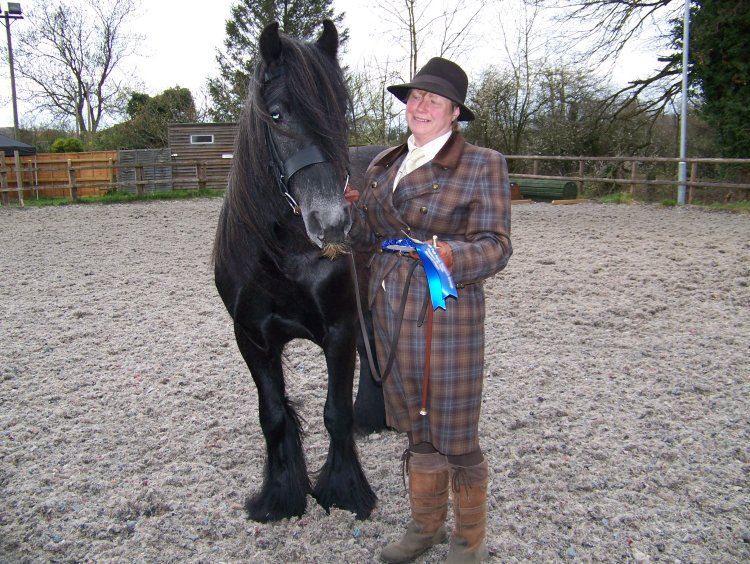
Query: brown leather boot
{"x": 428, "y": 497}
{"x": 469, "y": 487}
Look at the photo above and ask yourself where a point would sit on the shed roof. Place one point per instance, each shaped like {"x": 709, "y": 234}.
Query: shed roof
{"x": 9, "y": 145}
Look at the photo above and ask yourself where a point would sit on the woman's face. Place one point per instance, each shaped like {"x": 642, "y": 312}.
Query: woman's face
{"x": 429, "y": 115}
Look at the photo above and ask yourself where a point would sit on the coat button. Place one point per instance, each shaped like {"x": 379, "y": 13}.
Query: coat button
{"x": 408, "y": 229}
{"x": 374, "y": 185}
{"x": 364, "y": 208}
{"x": 435, "y": 186}
{"x": 378, "y": 235}
{"x": 423, "y": 210}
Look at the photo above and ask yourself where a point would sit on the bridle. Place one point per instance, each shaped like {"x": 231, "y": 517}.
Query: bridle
{"x": 283, "y": 170}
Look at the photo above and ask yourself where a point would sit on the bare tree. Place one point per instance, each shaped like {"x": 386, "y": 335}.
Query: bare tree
{"x": 69, "y": 55}
{"x": 607, "y": 27}
{"x": 506, "y": 98}
{"x": 443, "y": 26}
{"x": 377, "y": 114}
{"x": 537, "y": 102}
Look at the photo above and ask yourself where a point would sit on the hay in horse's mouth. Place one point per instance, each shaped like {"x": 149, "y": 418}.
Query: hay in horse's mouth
{"x": 332, "y": 250}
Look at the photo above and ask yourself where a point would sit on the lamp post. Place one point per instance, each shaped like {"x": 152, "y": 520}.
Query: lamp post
{"x": 682, "y": 166}
{"x": 12, "y": 13}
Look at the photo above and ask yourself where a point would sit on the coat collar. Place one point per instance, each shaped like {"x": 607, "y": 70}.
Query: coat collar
{"x": 448, "y": 157}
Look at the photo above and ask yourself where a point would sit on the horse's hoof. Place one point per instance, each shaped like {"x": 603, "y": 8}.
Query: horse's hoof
{"x": 262, "y": 509}
{"x": 350, "y": 492}
{"x": 366, "y": 426}
{"x": 362, "y": 507}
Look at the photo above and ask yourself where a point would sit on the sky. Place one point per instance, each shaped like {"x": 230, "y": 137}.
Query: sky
{"x": 181, "y": 38}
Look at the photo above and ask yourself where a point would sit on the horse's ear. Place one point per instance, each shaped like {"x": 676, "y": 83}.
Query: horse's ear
{"x": 270, "y": 43}
{"x": 329, "y": 39}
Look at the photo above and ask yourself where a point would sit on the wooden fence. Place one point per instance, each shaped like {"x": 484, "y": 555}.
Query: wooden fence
{"x": 73, "y": 175}
{"x": 641, "y": 173}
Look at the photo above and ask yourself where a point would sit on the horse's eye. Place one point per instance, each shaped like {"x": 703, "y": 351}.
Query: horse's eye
{"x": 276, "y": 117}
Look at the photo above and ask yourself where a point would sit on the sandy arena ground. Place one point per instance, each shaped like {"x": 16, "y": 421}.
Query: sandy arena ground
{"x": 616, "y": 416}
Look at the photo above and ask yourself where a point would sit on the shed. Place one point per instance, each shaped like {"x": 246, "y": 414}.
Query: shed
{"x": 207, "y": 145}
{"x": 151, "y": 166}
{"x": 9, "y": 145}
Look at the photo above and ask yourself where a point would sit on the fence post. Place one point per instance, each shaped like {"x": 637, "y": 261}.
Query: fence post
{"x": 535, "y": 167}
{"x": 693, "y": 178}
{"x": 19, "y": 177}
{"x": 201, "y": 172}
{"x": 139, "y": 187}
{"x": 4, "y": 181}
{"x": 73, "y": 186}
{"x": 30, "y": 169}
{"x": 633, "y": 177}
{"x": 580, "y": 175}
{"x": 111, "y": 165}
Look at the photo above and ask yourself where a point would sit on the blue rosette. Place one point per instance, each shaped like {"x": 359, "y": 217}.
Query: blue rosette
{"x": 439, "y": 280}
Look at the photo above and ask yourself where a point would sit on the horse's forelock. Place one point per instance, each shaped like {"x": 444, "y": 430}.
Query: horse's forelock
{"x": 319, "y": 96}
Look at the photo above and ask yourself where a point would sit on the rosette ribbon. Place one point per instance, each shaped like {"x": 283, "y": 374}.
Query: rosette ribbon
{"x": 439, "y": 280}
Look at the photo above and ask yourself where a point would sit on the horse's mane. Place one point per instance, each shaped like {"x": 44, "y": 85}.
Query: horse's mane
{"x": 253, "y": 205}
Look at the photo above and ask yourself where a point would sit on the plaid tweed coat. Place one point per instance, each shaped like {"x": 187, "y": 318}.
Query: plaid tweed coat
{"x": 463, "y": 197}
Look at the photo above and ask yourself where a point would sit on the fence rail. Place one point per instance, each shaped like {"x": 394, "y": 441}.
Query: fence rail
{"x": 635, "y": 178}
{"x": 94, "y": 177}
{"x": 74, "y": 179}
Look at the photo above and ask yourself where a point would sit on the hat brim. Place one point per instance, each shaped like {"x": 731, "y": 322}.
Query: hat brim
{"x": 401, "y": 91}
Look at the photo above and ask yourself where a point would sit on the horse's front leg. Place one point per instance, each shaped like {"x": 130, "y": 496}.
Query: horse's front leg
{"x": 341, "y": 482}
{"x": 285, "y": 480}
{"x": 369, "y": 407}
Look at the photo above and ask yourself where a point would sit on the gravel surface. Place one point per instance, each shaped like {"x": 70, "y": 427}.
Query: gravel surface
{"x": 615, "y": 419}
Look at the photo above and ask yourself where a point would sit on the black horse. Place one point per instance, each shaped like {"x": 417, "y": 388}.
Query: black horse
{"x": 280, "y": 270}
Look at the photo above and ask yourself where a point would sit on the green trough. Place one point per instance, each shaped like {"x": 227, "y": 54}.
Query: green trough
{"x": 547, "y": 189}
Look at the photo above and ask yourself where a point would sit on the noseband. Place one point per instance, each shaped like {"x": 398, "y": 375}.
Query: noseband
{"x": 283, "y": 170}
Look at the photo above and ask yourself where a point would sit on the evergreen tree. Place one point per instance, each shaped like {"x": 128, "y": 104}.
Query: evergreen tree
{"x": 721, "y": 70}
{"x": 297, "y": 18}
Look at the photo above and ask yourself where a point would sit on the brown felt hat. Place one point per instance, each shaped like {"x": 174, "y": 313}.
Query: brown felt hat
{"x": 442, "y": 77}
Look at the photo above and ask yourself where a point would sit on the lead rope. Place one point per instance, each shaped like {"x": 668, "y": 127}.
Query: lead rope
{"x": 401, "y": 309}
{"x": 380, "y": 378}
{"x": 362, "y": 326}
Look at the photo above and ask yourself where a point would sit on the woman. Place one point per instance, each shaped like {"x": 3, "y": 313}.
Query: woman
{"x": 459, "y": 193}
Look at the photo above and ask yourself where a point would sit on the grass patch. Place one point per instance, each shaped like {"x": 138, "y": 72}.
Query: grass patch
{"x": 741, "y": 207}
{"x": 618, "y": 198}
{"x": 123, "y": 198}
{"x": 626, "y": 198}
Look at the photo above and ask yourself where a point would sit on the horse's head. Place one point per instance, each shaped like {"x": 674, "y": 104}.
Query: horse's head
{"x": 304, "y": 99}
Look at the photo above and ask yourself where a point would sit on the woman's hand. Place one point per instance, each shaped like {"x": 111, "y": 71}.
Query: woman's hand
{"x": 444, "y": 252}
{"x": 351, "y": 194}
